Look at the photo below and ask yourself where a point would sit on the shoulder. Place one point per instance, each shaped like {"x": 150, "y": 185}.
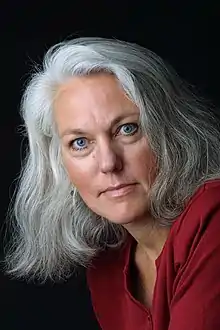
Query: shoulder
{"x": 199, "y": 224}
{"x": 209, "y": 192}
{"x": 190, "y": 264}
{"x": 204, "y": 202}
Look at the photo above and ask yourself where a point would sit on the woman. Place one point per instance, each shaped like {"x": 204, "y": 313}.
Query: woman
{"x": 121, "y": 176}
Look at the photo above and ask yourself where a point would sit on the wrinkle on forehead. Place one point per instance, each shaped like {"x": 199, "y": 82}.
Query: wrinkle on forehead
{"x": 91, "y": 101}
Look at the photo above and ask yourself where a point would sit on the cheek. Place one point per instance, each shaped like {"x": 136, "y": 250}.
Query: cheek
{"x": 143, "y": 162}
{"x": 78, "y": 172}
{"x": 148, "y": 169}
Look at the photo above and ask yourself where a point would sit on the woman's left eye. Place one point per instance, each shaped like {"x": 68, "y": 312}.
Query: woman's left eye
{"x": 128, "y": 129}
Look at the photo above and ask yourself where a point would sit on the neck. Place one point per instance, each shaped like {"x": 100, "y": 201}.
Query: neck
{"x": 149, "y": 235}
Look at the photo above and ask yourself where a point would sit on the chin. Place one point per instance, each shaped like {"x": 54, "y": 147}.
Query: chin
{"x": 121, "y": 221}
{"x": 123, "y": 211}
{"x": 123, "y": 218}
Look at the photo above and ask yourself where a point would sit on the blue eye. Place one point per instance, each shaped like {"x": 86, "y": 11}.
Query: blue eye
{"x": 79, "y": 144}
{"x": 128, "y": 129}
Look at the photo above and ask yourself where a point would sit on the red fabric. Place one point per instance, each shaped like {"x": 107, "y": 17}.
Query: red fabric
{"x": 187, "y": 289}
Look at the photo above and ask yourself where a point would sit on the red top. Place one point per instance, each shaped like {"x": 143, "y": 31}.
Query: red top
{"x": 187, "y": 289}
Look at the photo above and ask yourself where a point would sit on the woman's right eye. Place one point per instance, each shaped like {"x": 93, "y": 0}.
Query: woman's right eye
{"x": 79, "y": 144}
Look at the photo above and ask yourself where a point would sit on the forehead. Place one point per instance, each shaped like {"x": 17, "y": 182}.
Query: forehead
{"x": 97, "y": 98}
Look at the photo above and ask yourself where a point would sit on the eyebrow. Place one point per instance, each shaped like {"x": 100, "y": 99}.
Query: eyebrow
{"x": 78, "y": 131}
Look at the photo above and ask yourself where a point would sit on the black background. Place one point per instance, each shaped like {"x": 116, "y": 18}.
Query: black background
{"x": 185, "y": 33}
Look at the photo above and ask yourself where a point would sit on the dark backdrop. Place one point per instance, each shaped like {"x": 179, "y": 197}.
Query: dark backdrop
{"x": 185, "y": 33}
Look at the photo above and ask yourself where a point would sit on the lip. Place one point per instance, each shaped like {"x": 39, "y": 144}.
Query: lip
{"x": 119, "y": 190}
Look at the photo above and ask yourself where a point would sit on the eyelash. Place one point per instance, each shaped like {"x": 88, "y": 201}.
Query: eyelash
{"x": 134, "y": 124}
{"x": 119, "y": 128}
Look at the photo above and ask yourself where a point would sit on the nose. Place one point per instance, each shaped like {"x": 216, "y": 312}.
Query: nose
{"x": 110, "y": 159}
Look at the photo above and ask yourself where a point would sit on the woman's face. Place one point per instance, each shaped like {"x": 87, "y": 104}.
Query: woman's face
{"x": 104, "y": 152}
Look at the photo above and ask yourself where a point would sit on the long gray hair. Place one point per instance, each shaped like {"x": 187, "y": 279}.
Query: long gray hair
{"x": 52, "y": 230}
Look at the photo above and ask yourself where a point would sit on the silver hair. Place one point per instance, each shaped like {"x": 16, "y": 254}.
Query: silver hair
{"x": 52, "y": 231}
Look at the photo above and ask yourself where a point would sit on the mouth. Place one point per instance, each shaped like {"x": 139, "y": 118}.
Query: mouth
{"x": 119, "y": 190}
